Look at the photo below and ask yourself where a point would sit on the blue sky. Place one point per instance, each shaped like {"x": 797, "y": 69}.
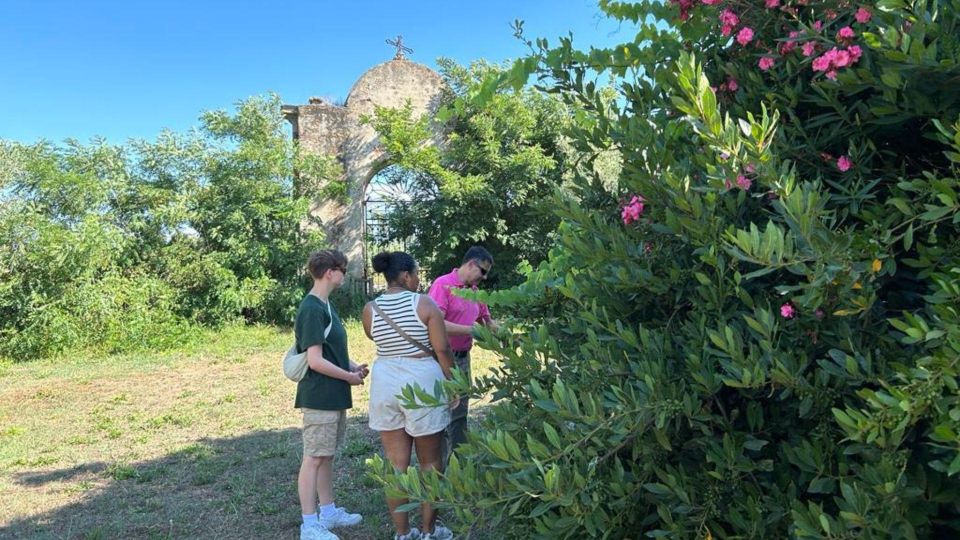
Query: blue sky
{"x": 128, "y": 69}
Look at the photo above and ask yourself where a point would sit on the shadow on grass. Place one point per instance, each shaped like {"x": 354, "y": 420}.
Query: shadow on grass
{"x": 59, "y": 475}
{"x": 238, "y": 487}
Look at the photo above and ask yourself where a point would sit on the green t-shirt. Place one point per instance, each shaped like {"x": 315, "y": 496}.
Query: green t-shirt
{"x": 318, "y": 391}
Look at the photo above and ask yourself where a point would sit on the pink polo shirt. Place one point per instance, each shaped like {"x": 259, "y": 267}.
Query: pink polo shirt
{"x": 457, "y": 310}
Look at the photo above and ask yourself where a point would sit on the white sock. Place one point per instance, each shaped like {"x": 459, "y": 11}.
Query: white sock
{"x": 310, "y": 519}
{"x": 328, "y": 510}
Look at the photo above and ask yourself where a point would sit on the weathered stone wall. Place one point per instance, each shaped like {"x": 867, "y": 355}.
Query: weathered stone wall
{"x": 329, "y": 129}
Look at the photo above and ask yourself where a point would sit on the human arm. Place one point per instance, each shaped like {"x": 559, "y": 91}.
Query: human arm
{"x": 321, "y": 365}
{"x": 311, "y": 333}
{"x": 431, "y": 315}
{"x": 454, "y": 329}
{"x": 366, "y": 317}
{"x": 485, "y": 319}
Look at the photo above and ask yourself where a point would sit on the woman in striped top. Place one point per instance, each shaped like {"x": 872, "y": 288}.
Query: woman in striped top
{"x": 400, "y": 363}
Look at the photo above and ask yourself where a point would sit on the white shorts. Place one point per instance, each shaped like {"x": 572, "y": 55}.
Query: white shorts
{"x": 388, "y": 377}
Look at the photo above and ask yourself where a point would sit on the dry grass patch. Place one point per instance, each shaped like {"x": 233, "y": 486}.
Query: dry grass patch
{"x": 198, "y": 443}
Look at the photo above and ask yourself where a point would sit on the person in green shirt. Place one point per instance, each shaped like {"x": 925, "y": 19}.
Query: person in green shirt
{"x": 323, "y": 396}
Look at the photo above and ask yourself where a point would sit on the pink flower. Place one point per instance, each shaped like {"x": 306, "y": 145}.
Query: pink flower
{"x": 711, "y": 2}
{"x": 790, "y": 44}
{"x": 787, "y": 311}
{"x": 765, "y": 63}
{"x": 729, "y": 18}
{"x": 832, "y": 74}
{"x": 862, "y": 15}
{"x": 743, "y": 182}
{"x": 821, "y": 63}
{"x": 631, "y": 211}
{"x": 836, "y": 58}
{"x": 845, "y": 34}
{"x": 809, "y": 48}
{"x": 819, "y": 313}
{"x": 842, "y": 59}
{"x": 772, "y": 3}
{"x": 732, "y": 84}
{"x": 844, "y": 163}
{"x": 745, "y": 35}
{"x": 685, "y": 7}
{"x": 750, "y": 168}
{"x": 818, "y": 25}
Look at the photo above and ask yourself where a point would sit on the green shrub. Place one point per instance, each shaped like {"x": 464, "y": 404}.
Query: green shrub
{"x": 768, "y": 349}
{"x": 121, "y": 247}
{"x": 113, "y": 314}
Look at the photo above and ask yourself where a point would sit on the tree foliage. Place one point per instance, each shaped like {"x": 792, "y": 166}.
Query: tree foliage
{"x": 768, "y": 346}
{"x": 127, "y": 247}
{"x": 486, "y": 182}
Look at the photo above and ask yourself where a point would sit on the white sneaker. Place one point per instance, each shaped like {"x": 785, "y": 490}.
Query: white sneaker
{"x": 414, "y": 534}
{"x": 316, "y": 532}
{"x": 340, "y": 518}
{"x": 439, "y": 533}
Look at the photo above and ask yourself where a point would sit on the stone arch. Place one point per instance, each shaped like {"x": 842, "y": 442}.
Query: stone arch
{"x": 326, "y": 128}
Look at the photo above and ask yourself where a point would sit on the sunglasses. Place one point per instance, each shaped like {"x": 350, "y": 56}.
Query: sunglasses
{"x": 483, "y": 271}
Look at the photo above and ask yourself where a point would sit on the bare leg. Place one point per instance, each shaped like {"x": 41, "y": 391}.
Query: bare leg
{"x": 396, "y": 445}
{"x": 325, "y": 480}
{"x": 307, "y": 483}
{"x": 429, "y": 458}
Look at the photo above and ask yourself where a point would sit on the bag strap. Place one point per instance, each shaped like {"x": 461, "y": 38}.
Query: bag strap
{"x": 400, "y": 331}
{"x": 326, "y": 331}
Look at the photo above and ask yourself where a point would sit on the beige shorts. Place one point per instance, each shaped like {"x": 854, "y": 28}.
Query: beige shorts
{"x": 323, "y": 431}
{"x": 388, "y": 377}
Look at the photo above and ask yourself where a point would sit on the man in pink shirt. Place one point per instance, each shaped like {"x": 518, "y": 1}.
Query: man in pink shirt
{"x": 460, "y": 315}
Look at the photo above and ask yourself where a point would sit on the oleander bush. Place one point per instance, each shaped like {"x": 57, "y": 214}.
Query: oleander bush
{"x": 754, "y": 334}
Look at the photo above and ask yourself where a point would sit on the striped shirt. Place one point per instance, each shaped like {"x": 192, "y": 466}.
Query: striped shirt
{"x": 401, "y": 307}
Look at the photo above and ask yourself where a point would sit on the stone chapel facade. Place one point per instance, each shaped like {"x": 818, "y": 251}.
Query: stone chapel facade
{"x": 327, "y": 129}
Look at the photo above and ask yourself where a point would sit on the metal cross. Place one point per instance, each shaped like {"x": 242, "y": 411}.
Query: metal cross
{"x": 398, "y": 43}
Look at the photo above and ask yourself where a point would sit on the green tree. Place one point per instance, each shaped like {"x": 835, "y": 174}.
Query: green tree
{"x": 129, "y": 246}
{"x": 768, "y": 347}
{"x": 488, "y": 179}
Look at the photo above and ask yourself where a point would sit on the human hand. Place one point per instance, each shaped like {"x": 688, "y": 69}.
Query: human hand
{"x": 361, "y": 370}
{"x": 353, "y": 378}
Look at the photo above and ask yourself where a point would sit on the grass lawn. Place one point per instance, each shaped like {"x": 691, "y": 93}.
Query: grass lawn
{"x": 202, "y": 442}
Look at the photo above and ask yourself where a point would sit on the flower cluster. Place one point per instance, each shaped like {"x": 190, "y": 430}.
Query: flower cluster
{"x": 632, "y": 210}
{"x": 728, "y": 21}
{"x": 845, "y": 54}
{"x": 732, "y": 85}
{"x": 834, "y": 59}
